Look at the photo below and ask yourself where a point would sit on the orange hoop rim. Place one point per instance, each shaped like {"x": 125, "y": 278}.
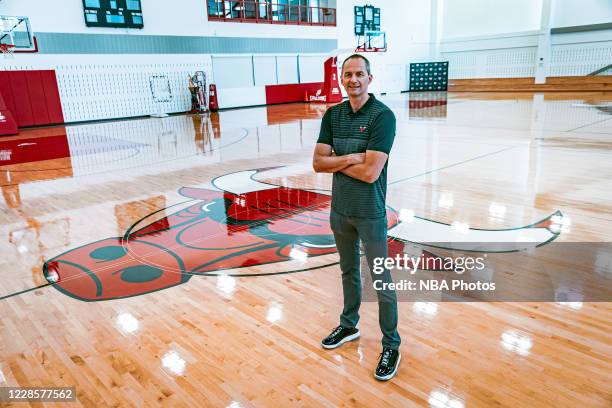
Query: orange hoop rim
{"x": 7, "y": 49}
{"x": 370, "y": 49}
{"x": 4, "y": 46}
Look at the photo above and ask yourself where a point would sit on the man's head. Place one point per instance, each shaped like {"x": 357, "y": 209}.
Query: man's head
{"x": 356, "y": 76}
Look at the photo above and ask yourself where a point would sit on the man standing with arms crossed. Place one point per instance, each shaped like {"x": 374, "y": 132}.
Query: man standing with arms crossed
{"x": 354, "y": 143}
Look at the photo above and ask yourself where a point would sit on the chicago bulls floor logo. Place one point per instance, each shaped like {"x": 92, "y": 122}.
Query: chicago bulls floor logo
{"x": 237, "y": 224}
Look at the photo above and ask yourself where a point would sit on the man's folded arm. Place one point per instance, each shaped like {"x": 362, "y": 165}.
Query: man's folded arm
{"x": 377, "y": 152}
{"x": 325, "y": 161}
{"x": 370, "y": 169}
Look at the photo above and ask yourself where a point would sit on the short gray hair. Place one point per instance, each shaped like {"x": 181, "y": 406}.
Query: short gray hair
{"x": 367, "y": 62}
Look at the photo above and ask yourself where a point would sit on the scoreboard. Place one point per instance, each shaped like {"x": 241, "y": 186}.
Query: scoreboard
{"x": 113, "y": 13}
{"x": 367, "y": 18}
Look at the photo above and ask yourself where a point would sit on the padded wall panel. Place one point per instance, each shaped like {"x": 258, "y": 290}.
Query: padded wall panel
{"x": 290, "y": 92}
{"x": 240, "y": 97}
{"x": 5, "y": 89}
{"x": 287, "y": 69}
{"x": 36, "y": 93}
{"x": 52, "y": 97}
{"x": 7, "y": 123}
{"x": 8, "y": 126}
{"x": 22, "y": 109}
{"x": 32, "y": 97}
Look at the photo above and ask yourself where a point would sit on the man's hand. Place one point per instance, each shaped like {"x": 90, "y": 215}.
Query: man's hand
{"x": 325, "y": 161}
{"x": 353, "y": 158}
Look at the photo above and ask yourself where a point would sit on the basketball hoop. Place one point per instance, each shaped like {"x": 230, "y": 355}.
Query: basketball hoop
{"x": 7, "y": 50}
{"x": 16, "y": 35}
{"x": 372, "y": 41}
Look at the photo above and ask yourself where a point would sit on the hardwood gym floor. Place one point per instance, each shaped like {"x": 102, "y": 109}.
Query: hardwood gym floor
{"x": 164, "y": 324}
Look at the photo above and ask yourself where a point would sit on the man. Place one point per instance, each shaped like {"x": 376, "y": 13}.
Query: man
{"x": 354, "y": 143}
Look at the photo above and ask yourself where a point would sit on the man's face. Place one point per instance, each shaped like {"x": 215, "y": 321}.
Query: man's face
{"x": 355, "y": 77}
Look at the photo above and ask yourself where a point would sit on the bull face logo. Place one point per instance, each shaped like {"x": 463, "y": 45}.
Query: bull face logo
{"x": 243, "y": 223}
{"x": 240, "y": 223}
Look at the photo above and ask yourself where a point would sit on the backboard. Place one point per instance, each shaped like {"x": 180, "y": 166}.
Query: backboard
{"x": 16, "y": 31}
{"x": 372, "y": 41}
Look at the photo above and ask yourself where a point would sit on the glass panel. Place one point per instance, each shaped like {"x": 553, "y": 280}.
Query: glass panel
{"x": 249, "y": 9}
{"x": 133, "y": 5}
{"x": 304, "y": 14}
{"x": 263, "y": 10}
{"x": 117, "y": 19}
{"x": 235, "y": 9}
{"x": 329, "y": 16}
{"x": 293, "y": 13}
{"x": 215, "y": 8}
{"x": 314, "y": 15}
{"x": 92, "y": 3}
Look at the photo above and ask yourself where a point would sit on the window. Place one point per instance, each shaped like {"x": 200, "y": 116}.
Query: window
{"x": 301, "y": 12}
{"x": 115, "y": 18}
{"x": 133, "y": 5}
{"x": 91, "y": 17}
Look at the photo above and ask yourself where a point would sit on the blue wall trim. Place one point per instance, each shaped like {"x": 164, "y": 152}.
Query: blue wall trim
{"x": 69, "y": 43}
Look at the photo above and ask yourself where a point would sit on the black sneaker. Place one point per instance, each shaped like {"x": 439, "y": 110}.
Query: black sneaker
{"x": 339, "y": 336}
{"x": 388, "y": 364}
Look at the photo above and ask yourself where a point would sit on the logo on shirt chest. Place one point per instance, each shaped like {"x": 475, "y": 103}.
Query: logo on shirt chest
{"x": 362, "y": 128}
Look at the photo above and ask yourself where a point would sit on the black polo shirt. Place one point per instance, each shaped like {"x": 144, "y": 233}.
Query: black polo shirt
{"x": 372, "y": 127}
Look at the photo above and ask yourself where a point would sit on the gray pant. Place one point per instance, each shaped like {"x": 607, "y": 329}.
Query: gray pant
{"x": 373, "y": 235}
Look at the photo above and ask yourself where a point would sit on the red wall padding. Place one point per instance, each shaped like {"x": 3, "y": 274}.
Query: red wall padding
{"x": 2, "y": 103}
{"x": 7, "y": 122}
{"x": 36, "y": 149}
{"x": 54, "y": 105}
{"x": 8, "y": 126}
{"x": 22, "y": 108}
{"x": 5, "y": 89}
{"x": 32, "y": 97}
{"x": 290, "y": 92}
{"x": 38, "y": 101}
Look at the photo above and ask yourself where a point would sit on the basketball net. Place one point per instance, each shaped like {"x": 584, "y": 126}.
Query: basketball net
{"x": 7, "y": 50}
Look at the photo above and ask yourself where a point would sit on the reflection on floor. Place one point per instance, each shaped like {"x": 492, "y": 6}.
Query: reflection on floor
{"x": 129, "y": 195}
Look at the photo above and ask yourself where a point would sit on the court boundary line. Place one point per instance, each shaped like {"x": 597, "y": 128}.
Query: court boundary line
{"x": 588, "y": 124}
{"x": 453, "y": 164}
{"x": 21, "y": 292}
{"x": 443, "y": 123}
